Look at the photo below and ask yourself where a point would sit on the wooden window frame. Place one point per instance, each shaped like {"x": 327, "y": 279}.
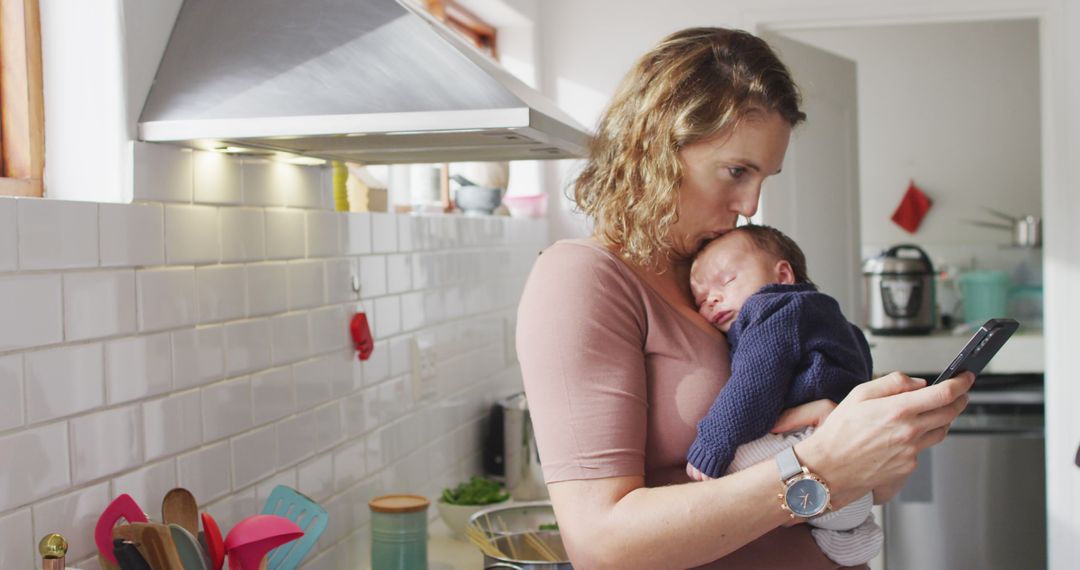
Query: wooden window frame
{"x": 468, "y": 24}
{"x": 22, "y": 100}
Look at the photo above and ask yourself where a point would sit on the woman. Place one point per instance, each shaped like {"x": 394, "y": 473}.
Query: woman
{"x": 618, "y": 365}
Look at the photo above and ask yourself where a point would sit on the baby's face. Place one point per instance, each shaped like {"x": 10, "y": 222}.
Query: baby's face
{"x": 727, "y": 272}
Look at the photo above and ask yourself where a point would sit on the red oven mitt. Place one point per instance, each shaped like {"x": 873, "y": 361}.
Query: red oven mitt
{"x": 913, "y": 207}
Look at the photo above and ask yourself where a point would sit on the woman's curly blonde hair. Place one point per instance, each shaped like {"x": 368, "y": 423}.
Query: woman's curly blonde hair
{"x": 695, "y": 84}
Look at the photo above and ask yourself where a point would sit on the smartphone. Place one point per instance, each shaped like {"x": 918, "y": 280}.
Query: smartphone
{"x": 978, "y": 351}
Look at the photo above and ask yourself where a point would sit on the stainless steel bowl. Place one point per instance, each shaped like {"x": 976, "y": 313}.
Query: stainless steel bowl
{"x": 507, "y": 525}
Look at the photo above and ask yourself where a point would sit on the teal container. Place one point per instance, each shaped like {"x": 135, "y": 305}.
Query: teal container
{"x": 986, "y": 295}
{"x": 399, "y": 532}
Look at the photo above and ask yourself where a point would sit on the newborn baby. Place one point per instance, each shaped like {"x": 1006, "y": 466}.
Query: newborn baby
{"x": 790, "y": 345}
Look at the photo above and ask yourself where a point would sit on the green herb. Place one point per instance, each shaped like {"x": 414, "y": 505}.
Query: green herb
{"x": 476, "y": 491}
{"x": 550, "y": 526}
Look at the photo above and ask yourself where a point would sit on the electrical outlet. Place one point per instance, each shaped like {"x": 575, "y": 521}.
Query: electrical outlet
{"x": 424, "y": 369}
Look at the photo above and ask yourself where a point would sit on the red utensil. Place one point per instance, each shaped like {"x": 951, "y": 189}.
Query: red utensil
{"x": 214, "y": 545}
{"x": 122, "y": 507}
{"x": 250, "y": 540}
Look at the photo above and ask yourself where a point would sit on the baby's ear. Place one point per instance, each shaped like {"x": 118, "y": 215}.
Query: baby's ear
{"x": 784, "y": 273}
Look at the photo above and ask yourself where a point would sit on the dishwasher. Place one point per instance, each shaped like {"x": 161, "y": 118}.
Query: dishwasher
{"x": 978, "y": 499}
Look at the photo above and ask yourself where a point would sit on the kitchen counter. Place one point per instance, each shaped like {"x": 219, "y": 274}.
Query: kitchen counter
{"x": 1023, "y": 353}
{"x": 448, "y": 553}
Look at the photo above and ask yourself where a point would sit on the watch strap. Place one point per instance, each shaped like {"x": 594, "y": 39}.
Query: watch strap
{"x": 789, "y": 464}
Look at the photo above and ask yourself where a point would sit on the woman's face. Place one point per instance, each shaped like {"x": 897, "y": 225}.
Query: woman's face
{"x": 722, "y": 179}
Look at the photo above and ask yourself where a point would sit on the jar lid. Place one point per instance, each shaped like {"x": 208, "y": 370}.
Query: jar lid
{"x": 399, "y": 504}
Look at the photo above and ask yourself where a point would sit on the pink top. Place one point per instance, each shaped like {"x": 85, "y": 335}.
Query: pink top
{"x": 617, "y": 380}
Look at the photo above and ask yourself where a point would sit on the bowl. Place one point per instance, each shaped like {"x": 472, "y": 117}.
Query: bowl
{"x": 514, "y": 518}
{"x": 457, "y": 517}
{"x": 478, "y": 200}
{"x": 533, "y": 206}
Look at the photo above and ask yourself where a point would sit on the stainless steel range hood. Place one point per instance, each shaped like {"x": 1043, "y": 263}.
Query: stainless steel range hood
{"x": 372, "y": 81}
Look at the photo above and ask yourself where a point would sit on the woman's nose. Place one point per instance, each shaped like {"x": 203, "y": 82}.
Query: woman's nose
{"x": 746, "y": 203}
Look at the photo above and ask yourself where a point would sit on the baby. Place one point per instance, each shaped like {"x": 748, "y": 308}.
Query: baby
{"x": 790, "y": 344}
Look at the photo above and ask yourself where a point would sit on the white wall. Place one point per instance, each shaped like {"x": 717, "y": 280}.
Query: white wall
{"x": 956, "y": 108}
{"x": 199, "y": 338}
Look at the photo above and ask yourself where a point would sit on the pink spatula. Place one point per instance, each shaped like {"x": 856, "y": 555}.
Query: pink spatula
{"x": 250, "y": 540}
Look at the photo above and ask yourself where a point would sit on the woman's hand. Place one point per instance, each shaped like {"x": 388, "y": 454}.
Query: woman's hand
{"x": 872, "y": 438}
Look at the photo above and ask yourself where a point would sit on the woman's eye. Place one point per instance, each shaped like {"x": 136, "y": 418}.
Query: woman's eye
{"x": 736, "y": 172}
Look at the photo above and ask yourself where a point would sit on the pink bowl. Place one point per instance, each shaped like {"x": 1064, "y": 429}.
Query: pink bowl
{"x": 534, "y": 206}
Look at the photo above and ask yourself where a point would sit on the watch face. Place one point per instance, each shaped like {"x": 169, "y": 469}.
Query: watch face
{"x": 807, "y": 498}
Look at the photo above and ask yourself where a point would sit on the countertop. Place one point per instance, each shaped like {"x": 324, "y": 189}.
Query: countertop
{"x": 448, "y": 553}
{"x": 1023, "y": 353}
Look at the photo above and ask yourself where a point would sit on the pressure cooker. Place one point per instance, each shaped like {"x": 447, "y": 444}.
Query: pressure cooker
{"x": 899, "y": 292}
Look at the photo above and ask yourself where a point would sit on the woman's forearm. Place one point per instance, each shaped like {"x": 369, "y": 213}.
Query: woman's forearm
{"x": 618, "y": 523}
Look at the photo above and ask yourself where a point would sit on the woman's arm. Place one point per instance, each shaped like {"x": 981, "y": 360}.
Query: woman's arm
{"x": 619, "y": 523}
{"x": 870, "y": 441}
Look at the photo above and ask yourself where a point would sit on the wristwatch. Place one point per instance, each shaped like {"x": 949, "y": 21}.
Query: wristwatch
{"x": 805, "y": 495}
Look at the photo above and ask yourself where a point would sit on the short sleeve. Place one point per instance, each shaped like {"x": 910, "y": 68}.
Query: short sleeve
{"x": 580, "y": 340}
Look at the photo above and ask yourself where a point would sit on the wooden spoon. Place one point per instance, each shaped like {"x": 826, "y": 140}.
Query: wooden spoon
{"x": 179, "y": 507}
{"x": 160, "y": 550}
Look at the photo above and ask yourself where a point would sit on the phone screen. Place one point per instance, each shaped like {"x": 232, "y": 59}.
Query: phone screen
{"x": 978, "y": 351}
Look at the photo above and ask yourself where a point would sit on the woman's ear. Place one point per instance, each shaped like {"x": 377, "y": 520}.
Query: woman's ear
{"x": 784, "y": 273}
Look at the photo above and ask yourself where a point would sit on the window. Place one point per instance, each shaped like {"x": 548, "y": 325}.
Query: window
{"x": 22, "y": 108}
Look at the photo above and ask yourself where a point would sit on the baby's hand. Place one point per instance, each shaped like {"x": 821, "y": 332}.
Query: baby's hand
{"x": 695, "y": 474}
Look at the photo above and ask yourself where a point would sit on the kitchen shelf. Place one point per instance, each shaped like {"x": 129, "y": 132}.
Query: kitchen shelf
{"x": 1022, "y": 354}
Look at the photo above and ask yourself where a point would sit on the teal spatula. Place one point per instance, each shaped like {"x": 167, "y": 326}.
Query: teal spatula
{"x": 307, "y": 514}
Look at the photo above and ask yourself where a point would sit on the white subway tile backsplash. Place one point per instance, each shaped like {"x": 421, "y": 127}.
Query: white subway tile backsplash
{"x": 267, "y": 288}
{"x": 18, "y": 547}
{"x": 297, "y": 438}
{"x": 74, "y": 516}
{"x": 63, "y": 381}
{"x": 172, "y": 424}
{"x": 272, "y": 394}
{"x": 132, "y": 234}
{"x": 330, "y": 431}
{"x": 243, "y": 234}
{"x": 254, "y": 454}
{"x": 247, "y": 346}
{"x": 105, "y": 443}
{"x": 323, "y": 234}
{"x": 198, "y": 356}
{"x": 221, "y": 292}
{"x": 339, "y": 280}
{"x": 306, "y": 286}
{"x": 290, "y": 337}
{"x": 41, "y": 454}
{"x": 11, "y": 386}
{"x": 99, "y": 303}
{"x": 377, "y": 366}
{"x": 387, "y": 317}
{"x": 166, "y": 297}
{"x": 372, "y": 270}
{"x": 9, "y": 237}
{"x": 285, "y": 234}
{"x": 162, "y": 173}
{"x": 31, "y": 306}
{"x": 357, "y": 230}
{"x": 138, "y": 367}
{"x": 312, "y": 379}
{"x": 226, "y": 408}
{"x": 329, "y": 328}
{"x": 384, "y": 232}
{"x": 216, "y": 178}
{"x": 315, "y": 478}
{"x": 205, "y": 472}
{"x": 220, "y": 408}
{"x": 191, "y": 235}
{"x": 56, "y": 234}
{"x": 148, "y": 485}
{"x": 398, "y": 273}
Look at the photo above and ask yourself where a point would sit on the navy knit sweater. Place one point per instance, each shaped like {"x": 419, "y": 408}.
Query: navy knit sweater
{"x": 790, "y": 345}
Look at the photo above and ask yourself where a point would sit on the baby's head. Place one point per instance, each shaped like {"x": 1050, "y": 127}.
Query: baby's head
{"x": 735, "y": 265}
